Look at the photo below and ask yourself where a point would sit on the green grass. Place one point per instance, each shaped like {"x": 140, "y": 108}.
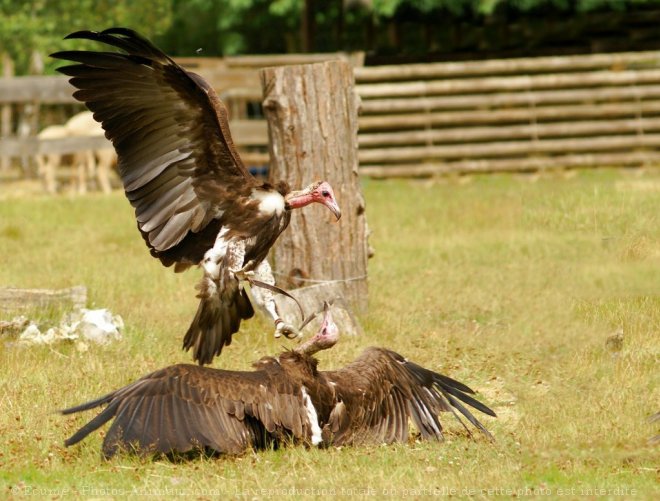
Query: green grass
{"x": 510, "y": 284}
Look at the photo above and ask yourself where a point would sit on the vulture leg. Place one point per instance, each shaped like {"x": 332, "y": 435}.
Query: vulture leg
{"x": 246, "y": 271}
{"x": 243, "y": 274}
{"x": 263, "y": 274}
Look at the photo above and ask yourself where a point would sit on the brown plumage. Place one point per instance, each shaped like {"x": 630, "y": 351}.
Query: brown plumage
{"x": 193, "y": 197}
{"x": 186, "y": 407}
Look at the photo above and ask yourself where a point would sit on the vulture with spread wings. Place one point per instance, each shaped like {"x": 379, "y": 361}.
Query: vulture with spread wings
{"x": 187, "y": 407}
{"x": 194, "y": 200}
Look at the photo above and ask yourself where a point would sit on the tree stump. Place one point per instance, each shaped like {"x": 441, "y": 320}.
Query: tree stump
{"x": 312, "y": 125}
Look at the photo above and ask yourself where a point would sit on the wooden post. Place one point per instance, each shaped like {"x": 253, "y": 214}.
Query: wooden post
{"x": 312, "y": 121}
{"x": 31, "y": 115}
{"x": 5, "y": 114}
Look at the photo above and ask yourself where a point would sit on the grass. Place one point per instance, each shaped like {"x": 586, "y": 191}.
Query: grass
{"x": 510, "y": 284}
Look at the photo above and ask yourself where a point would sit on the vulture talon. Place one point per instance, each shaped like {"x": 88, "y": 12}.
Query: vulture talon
{"x": 243, "y": 275}
{"x": 289, "y": 331}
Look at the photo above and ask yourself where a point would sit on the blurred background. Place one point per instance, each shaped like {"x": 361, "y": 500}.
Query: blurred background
{"x": 446, "y": 86}
{"x": 386, "y": 30}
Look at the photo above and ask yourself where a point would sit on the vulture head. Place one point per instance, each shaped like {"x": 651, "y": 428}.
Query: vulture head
{"x": 326, "y": 337}
{"x": 319, "y": 192}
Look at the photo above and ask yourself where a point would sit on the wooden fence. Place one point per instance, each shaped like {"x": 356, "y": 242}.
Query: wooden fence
{"x": 236, "y": 79}
{"x": 427, "y": 119}
{"x": 516, "y": 114}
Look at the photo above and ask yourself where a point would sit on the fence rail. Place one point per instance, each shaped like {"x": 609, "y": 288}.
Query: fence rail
{"x": 517, "y": 114}
{"x": 425, "y": 119}
{"x": 236, "y": 79}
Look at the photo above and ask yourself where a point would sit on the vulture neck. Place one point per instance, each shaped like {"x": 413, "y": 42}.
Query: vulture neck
{"x": 315, "y": 344}
{"x": 309, "y": 347}
{"x": 326, "y": 337}
{"x": 299, "y": 198}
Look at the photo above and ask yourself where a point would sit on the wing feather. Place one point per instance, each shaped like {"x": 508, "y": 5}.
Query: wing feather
{"x": 165, "y": 123}
{"x": 381, "y": 391}
{"x": 184, "y": 407}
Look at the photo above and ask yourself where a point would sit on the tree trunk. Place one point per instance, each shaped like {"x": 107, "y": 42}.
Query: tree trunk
{"x": 312, "y": 118}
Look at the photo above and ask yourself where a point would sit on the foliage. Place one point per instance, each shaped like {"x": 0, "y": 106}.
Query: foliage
{"x": 262, "y": 26}
{"x": 388, "y": 8}
{"x": 40, "y": 25}
{"x": 225, "y": 27}
{"x": 511, "y": 284}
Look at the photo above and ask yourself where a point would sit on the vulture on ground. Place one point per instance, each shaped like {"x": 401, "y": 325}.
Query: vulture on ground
{"x": 186, "y": 407}
{"x": 194, "y": 200}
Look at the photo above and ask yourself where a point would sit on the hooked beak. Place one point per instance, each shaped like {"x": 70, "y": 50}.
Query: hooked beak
{"x": 327, "y": 316}
{"x": 334, "y": 208}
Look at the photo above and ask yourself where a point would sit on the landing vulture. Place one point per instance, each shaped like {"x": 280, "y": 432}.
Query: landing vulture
{"x": 187, "y": 407}
{"x": 194, "y": 200}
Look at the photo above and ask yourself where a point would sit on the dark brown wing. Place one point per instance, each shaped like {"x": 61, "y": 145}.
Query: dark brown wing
{"x": 185, "y": 407}
{"x": 381, "y": 390}
{"x": 170, "y": 132}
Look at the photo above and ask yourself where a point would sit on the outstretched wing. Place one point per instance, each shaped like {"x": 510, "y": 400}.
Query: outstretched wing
{"x": 185, "y": 407}
{"x": 381, "y": 390}
{"x": 176, "y": 158}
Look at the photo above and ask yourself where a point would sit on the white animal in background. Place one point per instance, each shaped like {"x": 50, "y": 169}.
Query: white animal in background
{"x": 97, "y": 162}
{"x": 49, "y": 162}
{"x": 88, "y": 164}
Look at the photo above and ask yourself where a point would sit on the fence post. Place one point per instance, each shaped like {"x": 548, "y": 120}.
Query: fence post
{"x": 312, "y": 121}
{"x": 5, "y": 113}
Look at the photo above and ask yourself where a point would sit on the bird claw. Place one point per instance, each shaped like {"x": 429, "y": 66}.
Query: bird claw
{"x": 289, "y": 331}
{"x": 242, "y": 274}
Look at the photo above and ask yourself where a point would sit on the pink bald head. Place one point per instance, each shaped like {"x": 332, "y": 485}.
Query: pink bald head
{"x": 326, "y": 337}
{"x": 320, "y": 192}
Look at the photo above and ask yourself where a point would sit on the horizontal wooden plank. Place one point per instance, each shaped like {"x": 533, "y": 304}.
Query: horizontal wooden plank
{"x": 529, "y": 131}
{"x": 244, "y": 132}
{"x": 552, "y": 64}
{"x": 45, "y": 89}
{"x": 226, "y": 80}
{"x": 249, "y": 132}
{"x": 504, "y": 116}
{"x": 253, "y": 158}
{"x": 509, "y": 99}
{"x": 197, "y": 63}
{"x": 263, "y": 60}
{"x": 15, "y": 147}
{"x": 511, "y": 83}
{"x": 425, "y": 169}
{"x": 246, "y": 93}
{"x": 58, "y": 90}
{"x": 509, "y": 148}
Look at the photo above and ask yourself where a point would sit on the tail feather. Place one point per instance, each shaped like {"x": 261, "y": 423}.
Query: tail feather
{"x": 214, "y": 324}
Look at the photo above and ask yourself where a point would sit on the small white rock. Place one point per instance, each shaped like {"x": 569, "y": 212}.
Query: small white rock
{"x": 100, "y": 326}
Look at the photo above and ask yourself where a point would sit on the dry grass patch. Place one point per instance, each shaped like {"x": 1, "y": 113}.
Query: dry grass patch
{"x": 511, "y": 286}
